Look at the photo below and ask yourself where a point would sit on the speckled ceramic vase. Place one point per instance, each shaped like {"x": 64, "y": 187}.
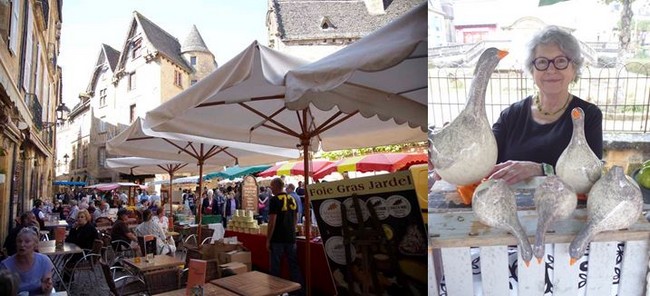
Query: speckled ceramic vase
{"x": 495, "y": 205}
{"x": 615, "y": 202}
{"x": 465, "y": 151}
{"x": 578, "y": 165}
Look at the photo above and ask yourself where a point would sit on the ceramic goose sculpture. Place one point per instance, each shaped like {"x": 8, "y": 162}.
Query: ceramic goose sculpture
{"x": 465, "y": 151}
{"x": 578, "y": 166}
{"x": 494, "y": 205}
{"x": 615, "y": 202}
{"x": 554, "y": 200}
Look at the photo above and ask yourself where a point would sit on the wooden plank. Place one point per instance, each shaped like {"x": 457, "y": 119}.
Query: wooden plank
{"x": 600, "y": 271}
{"x": 634, "y": 268}
{"x": 457, "y": 266}
{"x": 531, "y": 278}
{"x": 459, "y": 229}
{"x": 565, "y": 277}
{"x": 494, "y": 270}
{"x": 433, "y": 282}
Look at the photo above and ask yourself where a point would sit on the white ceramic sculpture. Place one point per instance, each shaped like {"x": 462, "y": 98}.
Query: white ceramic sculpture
{"x": 578, "y": 165}
{"x": 465, "y": 151}
{"x": 494, "y": 204}
{"x": 615, "y": 202}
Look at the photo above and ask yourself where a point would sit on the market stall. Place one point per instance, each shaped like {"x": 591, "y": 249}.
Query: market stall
{"x": 457, "y": 239}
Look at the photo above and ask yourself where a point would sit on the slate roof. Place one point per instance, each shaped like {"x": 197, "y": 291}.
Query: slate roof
{"x": 302, "y": 19}
{"x": 112, "y": 55}
{"x": 194, "y": 42}
{"x": 163, "y": 42}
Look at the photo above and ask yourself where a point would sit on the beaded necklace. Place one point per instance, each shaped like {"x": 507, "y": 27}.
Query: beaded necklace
{"x": 539, "y": 106}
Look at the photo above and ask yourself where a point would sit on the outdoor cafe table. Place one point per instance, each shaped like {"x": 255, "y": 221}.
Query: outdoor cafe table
{"x": 208, "y": 289}
{"x": 256, "y": 243}
{"x": 58, "y": 255}
{"x": 159, "y": 262}
{"x": 57, "y": 223}
{"x": 256, "y": 283}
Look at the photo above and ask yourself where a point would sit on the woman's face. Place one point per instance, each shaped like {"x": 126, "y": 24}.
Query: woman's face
{"x": 552, "y": 81}
{"x": 82, "y": 219}
{"x": 25, "y": 244}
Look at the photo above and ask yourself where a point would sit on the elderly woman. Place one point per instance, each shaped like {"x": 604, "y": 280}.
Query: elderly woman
{"x": 34, "y": 269}
{"x": 161, "y": 219}
{"x": 536, "y": 130}
{"x": 149, "y": 227}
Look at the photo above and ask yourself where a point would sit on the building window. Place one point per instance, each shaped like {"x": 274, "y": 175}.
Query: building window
{"x": 84, "y": 158}
{"x": 102, "y": 98}
{"x": 136, "y": 48}
{"x": 193, "y": 81}
{"x": 178, "y": 78}
{"x": 102, "y": 124}
{"x": 132, "y": 113}
{"x": 132, "y": 83}
{"x": 101, "y": 158}
{"x": 13, "y": 26}
{"x": 192, "y": 60}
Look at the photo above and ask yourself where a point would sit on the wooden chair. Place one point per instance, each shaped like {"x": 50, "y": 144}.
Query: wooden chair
{"x": 103, "y": 221}
{"x": 125, "y": 285}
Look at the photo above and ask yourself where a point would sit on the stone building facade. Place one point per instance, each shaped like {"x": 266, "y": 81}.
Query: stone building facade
{"x": 151, "y": 67}
{"x": 30, "y": 84}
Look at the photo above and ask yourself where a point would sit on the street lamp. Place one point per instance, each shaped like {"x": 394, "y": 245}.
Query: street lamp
{"x": 65, "y": 158}
{"x": 60, "y": 116}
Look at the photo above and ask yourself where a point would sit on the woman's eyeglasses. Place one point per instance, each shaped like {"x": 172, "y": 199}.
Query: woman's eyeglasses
{"x": 560, "y": 63}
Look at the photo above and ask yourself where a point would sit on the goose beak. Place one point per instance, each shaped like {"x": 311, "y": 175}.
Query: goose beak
{"x": 572, "y": 261}
{"x": 502, "y": 54}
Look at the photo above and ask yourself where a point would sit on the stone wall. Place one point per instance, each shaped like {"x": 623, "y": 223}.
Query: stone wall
{"x": 626, "y": 150}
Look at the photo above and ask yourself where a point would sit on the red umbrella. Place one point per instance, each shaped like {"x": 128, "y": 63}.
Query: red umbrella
{"x": 373, "y": 162}
{"x": 293, "y": 168}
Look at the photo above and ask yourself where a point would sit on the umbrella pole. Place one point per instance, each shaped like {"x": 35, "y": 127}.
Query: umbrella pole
{"x": 307, "y": 210}
{"x": 200, "y": 207}
{"x": 169, "y": 196}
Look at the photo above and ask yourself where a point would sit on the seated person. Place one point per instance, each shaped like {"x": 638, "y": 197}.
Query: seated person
{"x": 26, "y": 219}
{"x": 83, "y": 233}
{"x": 121, "y": 231}
{"x": 74, "y": 210}
{"x": 102, "y": 211}
{"x": 9, "y": 282}
{"x": 149, "y": 227}
{"x": 161, "y": 219}
{"x": 33, "y": 268}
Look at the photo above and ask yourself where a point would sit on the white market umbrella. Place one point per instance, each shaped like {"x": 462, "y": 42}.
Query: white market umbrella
{"x": 142, "y": 165}
{"x": 247, "y": 97}
{"x": 139, "y": 141}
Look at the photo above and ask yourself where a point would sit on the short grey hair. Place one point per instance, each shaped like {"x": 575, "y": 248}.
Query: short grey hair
{"x": 554, "y": 35}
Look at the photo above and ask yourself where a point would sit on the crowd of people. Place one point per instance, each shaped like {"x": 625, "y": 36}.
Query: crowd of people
{"x": 82, "y": 209}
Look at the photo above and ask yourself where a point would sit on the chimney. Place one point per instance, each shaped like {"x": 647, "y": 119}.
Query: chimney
{"x": 375, "y": 7}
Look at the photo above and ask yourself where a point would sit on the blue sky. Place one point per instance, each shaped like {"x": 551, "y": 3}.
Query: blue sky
{"x": 226, "y": 26}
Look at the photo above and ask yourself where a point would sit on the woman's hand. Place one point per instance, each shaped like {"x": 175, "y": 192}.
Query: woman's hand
{"x": 47, "y": 284}
{"x": 513, "y": 171}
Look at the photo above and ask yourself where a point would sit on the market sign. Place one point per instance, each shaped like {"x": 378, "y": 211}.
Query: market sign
{"x": 373, "y": 234}
{"x": 249, "y": 194}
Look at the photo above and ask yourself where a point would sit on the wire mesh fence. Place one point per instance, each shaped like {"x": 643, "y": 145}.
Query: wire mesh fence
{"x": 621, "y": 91}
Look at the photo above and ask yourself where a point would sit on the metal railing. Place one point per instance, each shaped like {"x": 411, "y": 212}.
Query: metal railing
{"x": 623, "y": 96}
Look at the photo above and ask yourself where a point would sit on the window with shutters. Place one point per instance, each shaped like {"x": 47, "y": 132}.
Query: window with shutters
{"x": 101, "y": 158}
{"x": 178, "y": 79}
{"x": 132, "y": 82}
{"x": 13, "y": 26}
{"x": 27, "y": 52}
{"x": 102, "y": 124}
{"x": 136, "y": 48}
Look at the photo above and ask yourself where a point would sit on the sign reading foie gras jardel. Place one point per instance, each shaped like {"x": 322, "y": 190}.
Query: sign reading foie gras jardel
{"x": 249, "y": 193}
{"x": 395, "y": 250}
